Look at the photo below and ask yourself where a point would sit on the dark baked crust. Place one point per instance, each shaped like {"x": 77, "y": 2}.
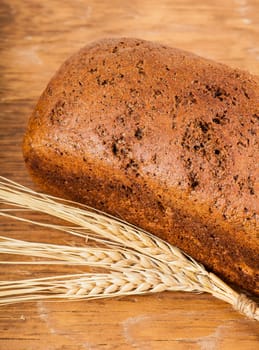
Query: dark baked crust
{"x": 161, "y": 138}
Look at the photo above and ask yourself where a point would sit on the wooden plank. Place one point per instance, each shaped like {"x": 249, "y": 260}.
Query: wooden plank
{"x": 36, "y": 37}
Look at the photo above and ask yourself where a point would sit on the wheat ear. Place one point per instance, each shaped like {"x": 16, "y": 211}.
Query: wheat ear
{"x": 167, "y": 261}
{"x": 87, "y": 286}
{"x": 108, "y": 258}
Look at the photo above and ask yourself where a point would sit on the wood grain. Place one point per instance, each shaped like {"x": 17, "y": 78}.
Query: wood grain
{"x": 36, "y": 36}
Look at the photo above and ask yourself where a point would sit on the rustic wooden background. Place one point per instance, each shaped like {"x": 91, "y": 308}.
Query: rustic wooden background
{"x": 36, "y": 36}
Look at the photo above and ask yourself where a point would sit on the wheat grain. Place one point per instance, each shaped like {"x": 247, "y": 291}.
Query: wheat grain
{"x": 138, "y": 261}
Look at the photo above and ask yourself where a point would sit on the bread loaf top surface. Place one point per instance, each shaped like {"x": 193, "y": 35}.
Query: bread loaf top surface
{"x": 161, "y": 118}
{"x": 187, "y": 121}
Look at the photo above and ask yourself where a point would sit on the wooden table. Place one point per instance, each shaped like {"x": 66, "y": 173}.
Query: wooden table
{"x": 36, "y": 36}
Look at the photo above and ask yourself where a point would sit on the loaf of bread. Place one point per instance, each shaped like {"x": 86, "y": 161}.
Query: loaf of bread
{"x": 161, "y": 138}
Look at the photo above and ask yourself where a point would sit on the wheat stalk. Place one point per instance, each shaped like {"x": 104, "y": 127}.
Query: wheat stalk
{"x": 138, "y": 262}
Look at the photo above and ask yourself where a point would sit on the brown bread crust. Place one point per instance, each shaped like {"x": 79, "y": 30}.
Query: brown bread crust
{"x": 161, "y": 138}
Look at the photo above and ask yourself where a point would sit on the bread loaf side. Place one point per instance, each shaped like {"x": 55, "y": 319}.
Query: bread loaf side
{"x": 161, "y": 138}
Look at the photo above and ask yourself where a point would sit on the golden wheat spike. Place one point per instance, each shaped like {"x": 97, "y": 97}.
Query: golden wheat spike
{"x": 157, "y": 265}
